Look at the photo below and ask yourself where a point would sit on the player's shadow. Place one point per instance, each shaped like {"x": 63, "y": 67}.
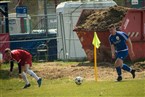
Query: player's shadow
{"x": 4, "y": 74}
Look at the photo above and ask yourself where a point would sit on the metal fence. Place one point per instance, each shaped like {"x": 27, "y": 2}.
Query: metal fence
{"x": 38, "y": 21}
{"x": 42, "y": 49}
{"x": 34, "y": 36}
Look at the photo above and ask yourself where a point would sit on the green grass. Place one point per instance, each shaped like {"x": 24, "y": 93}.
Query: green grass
{"x": 12, "y": 87}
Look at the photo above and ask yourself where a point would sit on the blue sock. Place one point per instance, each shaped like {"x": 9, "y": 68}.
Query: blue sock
{"x": 126, "y": 68}
{"x": 118, "y": 69}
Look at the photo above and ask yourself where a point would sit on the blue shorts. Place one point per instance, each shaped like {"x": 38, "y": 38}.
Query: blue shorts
{"x": 122, "y": 54}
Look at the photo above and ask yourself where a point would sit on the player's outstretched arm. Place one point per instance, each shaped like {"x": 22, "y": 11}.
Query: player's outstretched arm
{"x": 11, "y": 67}
{"x": 113, "y": 51}
{"x": 130, "y": 47}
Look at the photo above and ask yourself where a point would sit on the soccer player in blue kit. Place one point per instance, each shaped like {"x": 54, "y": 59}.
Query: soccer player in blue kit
{"x": 120, "y": 45}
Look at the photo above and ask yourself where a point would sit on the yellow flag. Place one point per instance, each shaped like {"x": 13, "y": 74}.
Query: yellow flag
{"x": 96, "y": 42}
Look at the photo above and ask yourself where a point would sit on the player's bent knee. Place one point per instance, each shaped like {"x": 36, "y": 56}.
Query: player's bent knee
{"x": 29, "y": 71}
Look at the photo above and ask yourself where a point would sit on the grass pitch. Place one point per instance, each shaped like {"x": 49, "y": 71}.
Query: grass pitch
{"x": 66, "y": 87}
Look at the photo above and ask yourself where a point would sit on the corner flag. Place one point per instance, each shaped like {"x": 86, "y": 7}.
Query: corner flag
{"x": 96, "y": 42}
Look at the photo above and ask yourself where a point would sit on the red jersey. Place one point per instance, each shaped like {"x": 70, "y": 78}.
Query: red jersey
{"x": 22, "y": 57}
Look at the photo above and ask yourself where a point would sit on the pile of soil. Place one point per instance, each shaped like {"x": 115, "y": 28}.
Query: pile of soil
{"x": 99, "y": 20}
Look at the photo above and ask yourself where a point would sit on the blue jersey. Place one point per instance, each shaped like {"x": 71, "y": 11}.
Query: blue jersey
{"x": 119, "y": 41}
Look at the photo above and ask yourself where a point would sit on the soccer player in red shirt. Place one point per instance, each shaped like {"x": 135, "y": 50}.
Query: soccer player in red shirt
{"x": 24, "y": 60}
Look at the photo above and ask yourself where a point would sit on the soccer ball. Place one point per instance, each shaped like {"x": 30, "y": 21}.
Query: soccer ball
{"x": 78, "y": 80}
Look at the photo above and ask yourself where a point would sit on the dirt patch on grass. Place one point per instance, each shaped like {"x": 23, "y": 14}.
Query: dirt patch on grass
{"x": 105, "y": 71}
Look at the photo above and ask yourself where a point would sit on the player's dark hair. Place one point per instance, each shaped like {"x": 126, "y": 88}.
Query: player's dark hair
{"x": 110, "y": 26}
{"x": 7, "y": 50}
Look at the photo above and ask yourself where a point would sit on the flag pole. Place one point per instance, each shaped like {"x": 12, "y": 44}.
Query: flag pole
{"x": 95, "y": 62}
{"x": 96, "y": 42}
